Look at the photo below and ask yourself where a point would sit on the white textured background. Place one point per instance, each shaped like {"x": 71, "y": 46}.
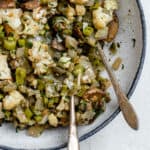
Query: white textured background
{"x": 117, "y": 135}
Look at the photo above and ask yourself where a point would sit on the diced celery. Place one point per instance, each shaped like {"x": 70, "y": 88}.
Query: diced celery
{"x": 1, "y": 96}
{"x": 10, "y": 44}
{"x": 79, "y": 69}
{"x": 87, "y": 31}
{"x": 2, "y": 34}
{"x": 20, "y": 75}
{"x": 41, "y": 85}
{"x": 38, "y": 118}
{"x": 28, "y": 113}
{"x": 21, "y": 42}
{"x": 45, "y": 99}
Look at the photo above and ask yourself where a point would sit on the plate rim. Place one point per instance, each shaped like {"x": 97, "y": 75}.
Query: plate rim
{"x": 131, "y": 90}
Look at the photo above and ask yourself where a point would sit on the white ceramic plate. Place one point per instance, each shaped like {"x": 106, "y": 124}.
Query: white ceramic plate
{"x": 132, "y": 26}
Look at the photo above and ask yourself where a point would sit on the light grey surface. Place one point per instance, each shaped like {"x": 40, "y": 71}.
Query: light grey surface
{"x": 116, "y": 129}
{"x": 117, "y": 135}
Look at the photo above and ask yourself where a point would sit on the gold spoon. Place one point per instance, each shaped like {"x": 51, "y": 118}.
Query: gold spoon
{"x": 125, "y": 106}
{"x": 73, "y": 143}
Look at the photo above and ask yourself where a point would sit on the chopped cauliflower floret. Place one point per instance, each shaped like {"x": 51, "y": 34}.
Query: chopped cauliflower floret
{"x": 79, "y": 1}
{"x": 61, "y": 105}
{"x": 50, "y": 91}
{"x": 41, "y": 66}
{"x": 21, "y": 115}
{"x": 52, "y": 6}
{"x": 38, "y": 51}
{"x": 52, "y": 3}
{"x": 111, "y": 4}
{"x": 70, "y": 12}
{"x": 40, "y": 14}
{"x": 40, "y": 57}
{"x": 69, "y": 83}
{"x": 101, "y": 18}
{"x": 87, "y": 116}
{"x": 12, "y": 100}
{"x": 91, "y": 41}
{"x": 102, "y": 34}
{"x": 5, "y": 73}
{"x": 53, "y": 121}
{"x": 89, "y": 74}
{"x": 12, "y": 17}
{"x": 32, "y": 27}
{"x": 80, "y": 10}
{"x": 65, "y": 62}
{"x": 71, "y": 42}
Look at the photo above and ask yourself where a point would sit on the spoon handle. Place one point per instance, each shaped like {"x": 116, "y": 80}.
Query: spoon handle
{"x": 125, "y": 106}
{"x": 73, "y": 143}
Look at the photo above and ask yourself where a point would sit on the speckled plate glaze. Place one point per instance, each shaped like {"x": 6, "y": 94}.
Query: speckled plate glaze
{"x": 132, "y": 26}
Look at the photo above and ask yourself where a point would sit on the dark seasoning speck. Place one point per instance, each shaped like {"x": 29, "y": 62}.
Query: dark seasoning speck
{"x": 134, "y": 42}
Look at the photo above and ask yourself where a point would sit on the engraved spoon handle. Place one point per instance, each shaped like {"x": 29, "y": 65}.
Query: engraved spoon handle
{"x": 73, "y": 143}
{"x": 125, "y": 106}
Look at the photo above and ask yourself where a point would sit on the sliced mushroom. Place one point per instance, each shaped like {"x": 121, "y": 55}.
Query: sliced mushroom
{"x": 59, "y": 70}
{"x": 7, "y": 4}
{"x": 56, "y": 45}
{"x": 94, "y": 94}
{"x": 113, "y": 29}
{"x": 77, "y": 32}
{"x": 32, "y": 4}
